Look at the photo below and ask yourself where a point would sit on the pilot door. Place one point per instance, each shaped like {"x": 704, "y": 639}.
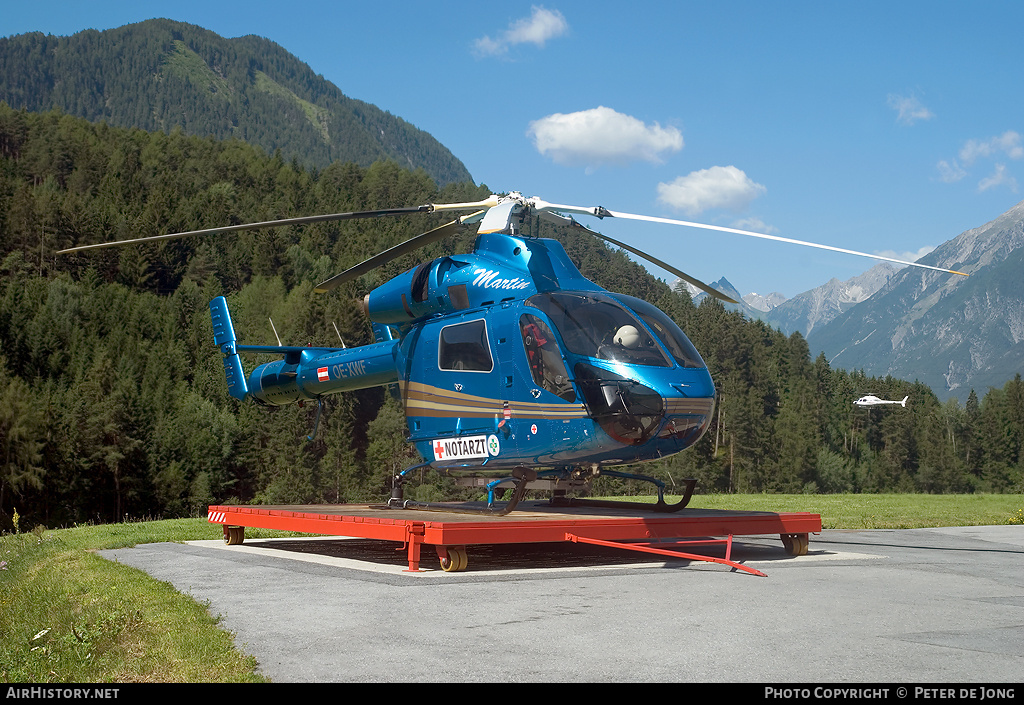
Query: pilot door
{"x": 541, "y": 412}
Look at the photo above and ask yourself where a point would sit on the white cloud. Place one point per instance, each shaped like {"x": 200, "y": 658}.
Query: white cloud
{"x": 717, "y": 187}
{"x": 538, "y": 28}
{"x": 601, "y": 136}
{"x": 1008, "y": 143}
{"x": 950, "y": 172}
{"x": 906, "y": 256}
{"x": 908, "y": 109}
{"x": 755, "y": 225}
{"x": 999, "y": 177}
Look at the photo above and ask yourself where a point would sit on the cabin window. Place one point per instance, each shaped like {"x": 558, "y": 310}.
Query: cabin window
{"x": 464, "y": 347}
{"x": 544, "y": 358}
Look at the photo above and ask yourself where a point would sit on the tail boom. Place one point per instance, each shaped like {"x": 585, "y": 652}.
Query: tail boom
{"x": 304, "y": 374}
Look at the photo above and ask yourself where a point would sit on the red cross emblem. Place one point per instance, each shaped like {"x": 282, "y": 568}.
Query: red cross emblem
{"x": 438, "y": 450}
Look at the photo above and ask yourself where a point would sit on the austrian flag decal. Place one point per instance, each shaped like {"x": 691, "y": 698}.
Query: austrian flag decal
{"x": 321, "y": 374}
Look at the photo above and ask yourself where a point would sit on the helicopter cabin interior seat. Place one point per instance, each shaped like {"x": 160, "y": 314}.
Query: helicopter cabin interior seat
{"x": 545, "y": 359}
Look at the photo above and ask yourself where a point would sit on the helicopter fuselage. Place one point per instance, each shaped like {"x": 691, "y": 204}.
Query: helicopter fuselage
{"x": 508, "y": 357}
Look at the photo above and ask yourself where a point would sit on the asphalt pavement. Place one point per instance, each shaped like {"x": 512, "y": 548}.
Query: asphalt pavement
{"x": 934, "y": 606}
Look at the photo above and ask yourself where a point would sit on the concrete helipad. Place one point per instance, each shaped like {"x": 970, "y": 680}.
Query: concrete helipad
{"x": 907, "y": 606}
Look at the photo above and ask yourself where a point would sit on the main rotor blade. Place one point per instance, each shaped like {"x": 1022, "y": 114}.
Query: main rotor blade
{"x": 410, "y": 245}
{"x": 686, "y": 223}
{"x": 706, "y": 288}
{"x": 709, "y": 290}
{"x": 427, "y": 208}
{"x": 255, "y": 226}
{"x": 488, "y": 202}
{"x": 599, "y": 212}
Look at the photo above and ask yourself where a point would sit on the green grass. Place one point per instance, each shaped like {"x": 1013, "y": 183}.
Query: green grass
{"x": 876, "y": 511}
{"x": 880, "y": 511}
{"x": 70, "y": 616}
{"x": 185, "y": 63}
{"x": 67, "y": 615}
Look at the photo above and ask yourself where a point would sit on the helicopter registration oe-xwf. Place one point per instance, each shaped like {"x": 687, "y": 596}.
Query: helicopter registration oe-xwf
{"x": 511, "y": 365}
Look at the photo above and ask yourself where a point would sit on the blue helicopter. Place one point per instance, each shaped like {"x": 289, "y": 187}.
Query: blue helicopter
{"x": 514, "y": 370}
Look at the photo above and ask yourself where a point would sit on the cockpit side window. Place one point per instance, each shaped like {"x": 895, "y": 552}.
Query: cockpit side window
{"x": 544, "y": 358}
{"x": 464, "y": 346}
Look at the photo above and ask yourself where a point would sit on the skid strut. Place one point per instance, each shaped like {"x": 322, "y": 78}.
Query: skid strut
{"x": 521, "y": 477}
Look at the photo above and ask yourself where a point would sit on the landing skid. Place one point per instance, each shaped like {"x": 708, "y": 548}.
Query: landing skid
{"x": 660, "y": 506}
{"x": 521, "y": 480}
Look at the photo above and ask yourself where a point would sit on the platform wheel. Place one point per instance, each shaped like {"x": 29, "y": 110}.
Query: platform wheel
{"x": 795, "y": 544}
{"x": 235, "y": 535}
{"x": 456, "y": 560}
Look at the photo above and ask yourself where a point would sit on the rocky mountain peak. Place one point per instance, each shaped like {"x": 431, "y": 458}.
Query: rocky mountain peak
{"x": 951, "y": 332}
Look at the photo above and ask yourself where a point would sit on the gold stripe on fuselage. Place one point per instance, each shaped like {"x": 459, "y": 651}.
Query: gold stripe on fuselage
{"x": 425, "y": 400}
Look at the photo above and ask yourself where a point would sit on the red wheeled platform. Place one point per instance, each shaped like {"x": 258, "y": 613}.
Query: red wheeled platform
{"x": 450, "y": 532}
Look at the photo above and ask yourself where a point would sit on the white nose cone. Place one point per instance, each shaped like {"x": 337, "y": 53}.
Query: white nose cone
{"x": 627, "y": 337}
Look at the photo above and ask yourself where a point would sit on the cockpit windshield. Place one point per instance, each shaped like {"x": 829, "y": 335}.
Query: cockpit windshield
{"x": 666, "y": 329}
{"x": 596, "y": 325}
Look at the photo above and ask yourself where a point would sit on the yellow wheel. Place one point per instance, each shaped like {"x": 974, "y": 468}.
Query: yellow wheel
{"x": 456, "y": 561}
{"x": 235, "y": 535}
{"x": 795, "y": 544}
{"x": 804, "y": 540}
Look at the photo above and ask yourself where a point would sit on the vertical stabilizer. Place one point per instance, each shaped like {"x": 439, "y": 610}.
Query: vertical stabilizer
{"x": 224, "y": 338}
{"x": 904, "y": 402}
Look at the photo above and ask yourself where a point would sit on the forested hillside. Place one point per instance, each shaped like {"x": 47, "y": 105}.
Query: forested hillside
{"x": 114, "y": 402}
{"x": 164, "y": 75}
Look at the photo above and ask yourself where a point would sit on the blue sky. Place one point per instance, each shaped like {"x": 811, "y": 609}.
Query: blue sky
{"x": 887, "y": 127}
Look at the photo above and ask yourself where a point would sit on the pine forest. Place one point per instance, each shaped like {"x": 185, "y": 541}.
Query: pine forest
{"x": 114, "y": 398}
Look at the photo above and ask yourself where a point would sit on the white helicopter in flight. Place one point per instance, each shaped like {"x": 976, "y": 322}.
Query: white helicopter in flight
{"x": 872, "y": 400}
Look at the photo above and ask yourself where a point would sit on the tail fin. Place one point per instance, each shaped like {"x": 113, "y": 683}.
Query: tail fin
{"x": 224, "y": 338}
{"x": 904, "y": 402}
